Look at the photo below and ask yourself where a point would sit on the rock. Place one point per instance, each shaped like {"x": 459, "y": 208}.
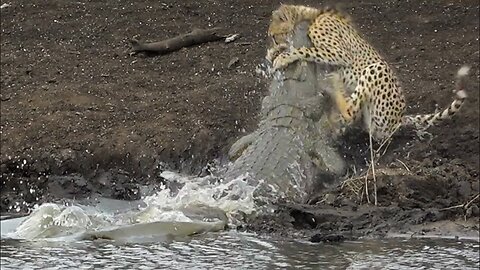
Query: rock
{"x": 329, "y": 199}
{"x": 329, "y": 238}
{"x": 464, "y": 189}
{"x": 233, "y": 62}
{"x": 472, "y": 211}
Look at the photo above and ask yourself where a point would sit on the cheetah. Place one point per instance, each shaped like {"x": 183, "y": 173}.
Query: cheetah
{"x": 364, "y": 85}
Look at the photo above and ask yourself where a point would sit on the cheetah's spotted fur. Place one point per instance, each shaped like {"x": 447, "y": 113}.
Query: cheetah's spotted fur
{"x": 371, "y": 85}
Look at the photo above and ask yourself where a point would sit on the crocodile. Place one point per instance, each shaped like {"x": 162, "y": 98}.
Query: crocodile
{"x": 289, "y": 153}
{"x": 287, "y": 156}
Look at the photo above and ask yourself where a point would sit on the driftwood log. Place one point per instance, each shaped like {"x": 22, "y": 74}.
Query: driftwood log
{"x": 195, "y": 37}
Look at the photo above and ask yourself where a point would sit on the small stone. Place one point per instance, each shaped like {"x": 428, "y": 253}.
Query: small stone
{"x": 476, "y": 186}
{"x": 472, "y": 211}
{"x": 233, "y": 62}
{"x": 329, "y": 199}
{"x": 3, "y": 168}
{"x": 232, "y": 38}
{"x": 327, "y": 238}
{"x": 67, "y": 154}
{"x": 464, "y": 189}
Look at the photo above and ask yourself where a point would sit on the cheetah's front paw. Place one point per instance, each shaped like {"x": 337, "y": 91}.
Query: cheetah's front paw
{"x": 283, "y": 60}
{"x": 273, "y": 52}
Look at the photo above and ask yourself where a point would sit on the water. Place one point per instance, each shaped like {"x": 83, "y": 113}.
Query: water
{"x": 235, "y": 250}
{"x": 185, "y": 230}
{"x": 201, "y": 204}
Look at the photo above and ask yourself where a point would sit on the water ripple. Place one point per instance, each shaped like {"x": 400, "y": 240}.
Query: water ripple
{"x": 234, "y": 250}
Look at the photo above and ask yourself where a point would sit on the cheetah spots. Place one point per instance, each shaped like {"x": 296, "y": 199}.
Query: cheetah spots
{"x": 304, "y": 54}
{"x": 363, "y": 72}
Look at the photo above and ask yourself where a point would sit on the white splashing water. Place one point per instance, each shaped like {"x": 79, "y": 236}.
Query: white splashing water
{"x": 231, "y": 197}
{"x": 234, "y": 198}
{"x": 53, "y": 220}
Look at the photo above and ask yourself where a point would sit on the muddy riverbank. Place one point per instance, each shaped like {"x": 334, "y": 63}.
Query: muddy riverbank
{"x": 82, "y": 117}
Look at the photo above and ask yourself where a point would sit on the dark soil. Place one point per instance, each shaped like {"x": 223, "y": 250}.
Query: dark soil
{"x": 80, "y": 116}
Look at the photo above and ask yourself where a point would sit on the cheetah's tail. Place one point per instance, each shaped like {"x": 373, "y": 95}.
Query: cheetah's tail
{"x": 424, "y": 121}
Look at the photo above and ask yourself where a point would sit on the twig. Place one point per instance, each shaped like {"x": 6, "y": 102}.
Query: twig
{"x": 372, "y": 163}
{"x": 373, "y": 169}
{"x": 451, "y": 207}
{"x": 74, "y": 52}
{"x": 386, "y": 141}
{"x": 464, "y": 205}
{"x": 471, "y": 201}
{"x": 366, "y": 187}
{"x": 5, "y": 5}
{"x": 404, "y": 165}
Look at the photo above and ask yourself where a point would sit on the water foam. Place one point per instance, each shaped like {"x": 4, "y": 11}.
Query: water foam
{"x": 212, "y": 195}
{"x": 233, "y": 197}
{"x": 53, "y": 220}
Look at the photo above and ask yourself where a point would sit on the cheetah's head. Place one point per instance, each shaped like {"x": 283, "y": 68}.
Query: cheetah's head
{"x": 282, "y": 24}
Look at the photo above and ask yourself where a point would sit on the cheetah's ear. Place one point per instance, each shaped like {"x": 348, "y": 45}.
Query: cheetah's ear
{"x": 275, "y": 13}
{"x": 341, "y": 9}
{"x": 278, "y": 15}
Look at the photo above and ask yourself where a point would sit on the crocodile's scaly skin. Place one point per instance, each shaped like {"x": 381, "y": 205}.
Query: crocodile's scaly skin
{"x": 287, "y": 151}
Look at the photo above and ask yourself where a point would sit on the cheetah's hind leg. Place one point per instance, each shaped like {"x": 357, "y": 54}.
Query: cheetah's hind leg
{"x": 336, "y": 83}
{"x": 337, "y": 92}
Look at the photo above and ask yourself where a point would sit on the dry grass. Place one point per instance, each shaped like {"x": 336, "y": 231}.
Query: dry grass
{"x": 359, "y": 185}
